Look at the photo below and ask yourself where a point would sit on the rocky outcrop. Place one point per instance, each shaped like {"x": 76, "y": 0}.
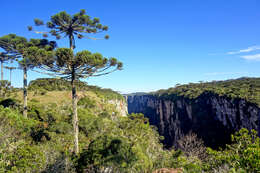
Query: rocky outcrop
{"x": 120, "y": 105}
{"x": 213, "y": 118}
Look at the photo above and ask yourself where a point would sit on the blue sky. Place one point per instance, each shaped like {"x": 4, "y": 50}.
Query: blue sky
{"x": 160, "y": 42}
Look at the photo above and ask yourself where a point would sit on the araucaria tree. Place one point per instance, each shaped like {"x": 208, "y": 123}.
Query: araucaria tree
{"x": 18, "y": 48}
{"x": 82, "y": 64}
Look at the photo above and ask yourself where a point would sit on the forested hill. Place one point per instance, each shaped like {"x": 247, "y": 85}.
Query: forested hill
{"x": 52, "y": 84}
{"x": 245, "y": 88}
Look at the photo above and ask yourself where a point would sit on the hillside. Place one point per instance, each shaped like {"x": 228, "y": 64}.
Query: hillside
{"x": 52, "y": 84}
{"x": 243, "y": 88}
{"x": 43, "y": 142}
{"x": 108, "y": 141}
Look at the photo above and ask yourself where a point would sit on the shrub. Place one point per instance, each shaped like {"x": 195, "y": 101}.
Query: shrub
{"x": 87, "y": 102}
{"x": 192, "y": 146}
{"x": 12, "y": 103}
{"x": 26, "y": 158}
{"x": 107, "y": 153}
{"x": 243, "y": 154}
{"x": 5, "y": 88}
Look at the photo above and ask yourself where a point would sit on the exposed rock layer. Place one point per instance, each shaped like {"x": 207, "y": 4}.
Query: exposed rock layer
{"x": 120, "y": 105}
{"x": 213, "y": 118}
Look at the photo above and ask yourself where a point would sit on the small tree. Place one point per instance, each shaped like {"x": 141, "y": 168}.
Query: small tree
{"x": 78, "y": 26}
{"x": 18, "y": 48}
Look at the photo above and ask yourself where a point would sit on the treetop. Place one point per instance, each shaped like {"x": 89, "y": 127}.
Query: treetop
{"x": 63, "y": 61}
{"x": 77, "y": 25}
{"x": 19, "y": 48}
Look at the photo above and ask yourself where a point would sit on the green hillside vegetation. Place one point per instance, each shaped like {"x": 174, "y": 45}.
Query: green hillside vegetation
{"x": 52, "y": 84}
{"x": 43, "y": 142}
{"x": 245, "y": 88}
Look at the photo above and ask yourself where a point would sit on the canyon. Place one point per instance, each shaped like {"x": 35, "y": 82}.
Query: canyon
{"x": 211, "y": 116}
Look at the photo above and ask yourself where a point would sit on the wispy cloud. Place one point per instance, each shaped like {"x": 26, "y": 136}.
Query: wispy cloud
{"x": 249, "y": 49}
{"x": 225, "y": 73}
{"x": 255, "y": 57}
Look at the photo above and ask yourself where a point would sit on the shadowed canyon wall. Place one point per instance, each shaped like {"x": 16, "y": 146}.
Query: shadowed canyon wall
{"x": 213, "y": 118}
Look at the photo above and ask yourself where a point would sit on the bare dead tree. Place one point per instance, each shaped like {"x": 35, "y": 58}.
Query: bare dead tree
{"x": 192, "y": 146}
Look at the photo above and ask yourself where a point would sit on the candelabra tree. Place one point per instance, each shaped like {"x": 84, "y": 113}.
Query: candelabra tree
{"x": 65, "y": 64}
{"x": 79, "y": 25}
{"x": 19, "y": 48}
{"x": 76, "y": 66}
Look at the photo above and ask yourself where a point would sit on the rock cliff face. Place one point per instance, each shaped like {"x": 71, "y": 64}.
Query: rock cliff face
{"x": 120, "y": 105}
{"x": 213, "y": 118}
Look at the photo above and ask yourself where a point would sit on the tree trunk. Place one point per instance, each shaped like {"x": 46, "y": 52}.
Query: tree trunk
{"x": 74, "y": 103}
{"x": 75, "y": 114}
{"x": 2, "y": 71}
{"x": 25, "y": 92}
{"x": 71, "y": 41}
{"x": 11, "y": 77}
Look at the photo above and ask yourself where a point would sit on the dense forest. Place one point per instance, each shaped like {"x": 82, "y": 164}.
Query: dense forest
{"x": 242, "y": 88}
{"x": 43, "y": 142}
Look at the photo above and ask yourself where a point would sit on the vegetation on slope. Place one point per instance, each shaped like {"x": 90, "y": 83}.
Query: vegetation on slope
{"x": 109, "y": 142}
{"x": 43, "y": 142}
{"x": 52, "y": 84}
{"x": 245, "y": 88}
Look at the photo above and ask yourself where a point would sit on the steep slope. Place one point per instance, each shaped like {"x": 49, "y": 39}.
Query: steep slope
{"x": 57, "y": 91}
{"x": 43, "y": 141}
{"x": 212, "y": 110}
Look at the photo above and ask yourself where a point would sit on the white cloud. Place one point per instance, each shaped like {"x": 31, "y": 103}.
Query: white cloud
{"x": 255, "y": 57}
{"x": 249, "y": 49}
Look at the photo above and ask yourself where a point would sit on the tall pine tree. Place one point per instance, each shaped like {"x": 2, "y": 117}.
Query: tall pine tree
{"x": 19, "y": 48}
{"x": 82, "y": 64}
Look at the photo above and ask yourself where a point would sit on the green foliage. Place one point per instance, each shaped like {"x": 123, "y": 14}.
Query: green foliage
{"x": 136, "y": 131}
{"x": 243, "y": 155}
{"x": 25, "y": 158}
{"x": 62, "y": 62}
{"x": 5, "y": 88}
{"x": 10, "y": 117}
{"x": 43, "y": 142}
{"x": 104, "y": 93}
{"x": 39, "y": 133}
{"x": 87, "y": 102}
{"x": 51, "y": 84}
{"x": 245, "y": 88}
{"x": 78, "y": 25}
{"x": 23, "y": 49}
{"x": 4, "y": 57}
{"x": 49, "y": 131}
{"x": 113, "y": 153}
{"x": 16, "y": 155}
